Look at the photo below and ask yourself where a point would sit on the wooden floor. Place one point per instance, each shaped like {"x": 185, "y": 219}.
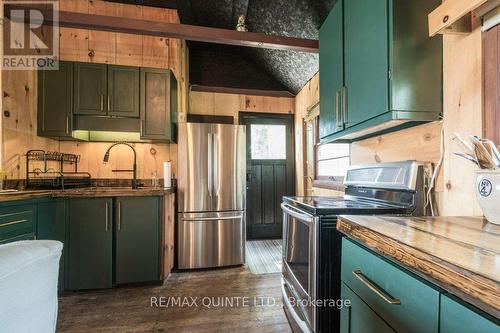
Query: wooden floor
{"x": 129, "y": 309}
{"x": 264, "y": 256}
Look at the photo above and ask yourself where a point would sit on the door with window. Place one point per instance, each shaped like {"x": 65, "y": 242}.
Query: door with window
{"x": 270, "y": 171}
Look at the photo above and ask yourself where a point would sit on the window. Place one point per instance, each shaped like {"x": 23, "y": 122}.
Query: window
{"x": 268, "y": 142}
{"x": 325, "y": 165}
{"x": 332, "y": 161}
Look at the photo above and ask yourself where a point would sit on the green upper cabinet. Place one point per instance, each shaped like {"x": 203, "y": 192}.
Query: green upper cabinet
{"x": 123, "y": 91}
{"x": 331, "y": 59}
{"x": 366, "y": 60}
{"x": 137, "y": 227}
{"x": 90, "y": 89}
{"x": 94, "y": 102}
{"x": 158, "y": 104}
{"x": 55, "y": 101}
{"x": 90, "y": 243}
{"x": 391, "y": 70}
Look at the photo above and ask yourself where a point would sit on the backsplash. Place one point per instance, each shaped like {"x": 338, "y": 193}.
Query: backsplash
{"x": 19, "y": 136}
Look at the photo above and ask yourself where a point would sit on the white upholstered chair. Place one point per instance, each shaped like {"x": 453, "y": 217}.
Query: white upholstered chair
{"x": 28, "y": 286}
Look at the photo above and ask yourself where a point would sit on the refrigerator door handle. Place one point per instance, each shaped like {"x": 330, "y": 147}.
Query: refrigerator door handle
{"x": 210, "y": 164}
{"x": 215, "y": 190}
{"x": 216, "y": 218}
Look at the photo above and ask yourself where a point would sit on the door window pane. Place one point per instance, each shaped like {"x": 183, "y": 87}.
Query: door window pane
{"x": 268, "y": 142}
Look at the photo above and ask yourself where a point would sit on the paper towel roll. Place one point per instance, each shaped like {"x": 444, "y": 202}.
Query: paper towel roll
{"x": 167, "y": 175}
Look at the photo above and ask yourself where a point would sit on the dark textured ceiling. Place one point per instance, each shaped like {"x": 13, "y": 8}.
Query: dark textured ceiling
{"x": 294, "y": 18}
{"x": 249, "y": 68}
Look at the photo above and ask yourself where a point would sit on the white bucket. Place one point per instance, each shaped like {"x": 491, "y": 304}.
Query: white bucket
{"x": 488, "y": 194}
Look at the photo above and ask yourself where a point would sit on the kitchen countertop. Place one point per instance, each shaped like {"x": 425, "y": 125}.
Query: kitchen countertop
{"x": 459, "y": 254}
{"x": 85, "y": 192}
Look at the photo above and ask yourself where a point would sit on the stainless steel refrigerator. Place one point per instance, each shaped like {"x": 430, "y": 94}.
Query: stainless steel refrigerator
{"x": 211, "y": 195}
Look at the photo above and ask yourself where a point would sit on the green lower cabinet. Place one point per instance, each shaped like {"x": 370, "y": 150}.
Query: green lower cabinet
{"x": 137, "y": 223}
{"x": 23, "y": 237}
{"x": 404, "y": 301}
{"x": 387, "y": 298}
{"x": 17, "y": 221}
{"x": 359, "y": 318}
{"x": 51, "y": 225}
{"x": 90, "y": 243}
{"x": 458, "y": 317}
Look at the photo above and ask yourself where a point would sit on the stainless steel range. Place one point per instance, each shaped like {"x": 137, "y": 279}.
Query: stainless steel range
{"x": 312, "y": 245}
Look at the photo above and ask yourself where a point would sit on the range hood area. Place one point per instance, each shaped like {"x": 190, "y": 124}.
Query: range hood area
{"x": 100, "y": 102}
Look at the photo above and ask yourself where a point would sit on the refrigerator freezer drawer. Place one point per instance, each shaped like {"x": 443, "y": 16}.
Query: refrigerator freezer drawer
{"x": 211, "y": 239}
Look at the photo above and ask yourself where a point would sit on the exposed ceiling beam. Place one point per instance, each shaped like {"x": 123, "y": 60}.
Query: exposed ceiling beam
{"x": 173, "y": 30}
{"x": 172, "y": 4}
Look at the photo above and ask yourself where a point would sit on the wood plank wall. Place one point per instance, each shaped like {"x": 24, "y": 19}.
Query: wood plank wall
{"x": 462, "y": 114}
{"x": 20, "y": 91}
{"x": 222, "y": 104}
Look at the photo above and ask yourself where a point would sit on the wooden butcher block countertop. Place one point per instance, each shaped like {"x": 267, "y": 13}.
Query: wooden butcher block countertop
{"x": 111, "y": 192}
{"x": 459, "y": 254}
{"x": 89, "y": 192}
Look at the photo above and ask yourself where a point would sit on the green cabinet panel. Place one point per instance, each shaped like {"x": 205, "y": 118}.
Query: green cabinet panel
{"x": 391, "y": 69}
{"x": 55, "y": 101}
{"x": 17, "y": 220}
{"x": 158, "y": 104}
{"x": 83, "y": 100}
{"x": 358, "y": 317}
{"x": 363, "y": 272}
{"x": 331, "y": 60}
{"x": 455, "y": 317}
{"x": 366, "y": 59}
{"x": 89, "y": 89}
{"x": 137, "y": 225}
{"x": 90, "y": 246}
{"x": 23, "y": 237}
{"x": 51, "y": 225}
{"x": 123, "y": 91}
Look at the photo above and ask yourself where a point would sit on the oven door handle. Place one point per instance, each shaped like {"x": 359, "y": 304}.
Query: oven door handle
{"x": 299, "y": 321}
{"x": 298, "y": 215}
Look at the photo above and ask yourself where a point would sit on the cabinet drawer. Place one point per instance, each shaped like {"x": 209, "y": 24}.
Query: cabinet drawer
{"x": 16, "y": 221}
{"x": 403, "y": 301}
{"x": 359, "y": 317}
{"x": 30, "y": 236}
{"x": 456, "y": 317}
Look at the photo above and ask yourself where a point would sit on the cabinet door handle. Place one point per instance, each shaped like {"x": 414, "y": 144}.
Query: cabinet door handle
{"x": 101, "y": 99}
{"x": 67, "y": 124}
{"x": 337, "y": 115}
{"x": 13, "y": 222}
{"x": 376, "y": 289}
{"x": 344, "y": 105}
{"x": 119, "y": 215}
{"x": 107, "y": 217}
{"x": 109, "y": 104}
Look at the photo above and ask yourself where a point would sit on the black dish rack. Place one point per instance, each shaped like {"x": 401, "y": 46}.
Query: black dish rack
{"x": 51, "y": 174}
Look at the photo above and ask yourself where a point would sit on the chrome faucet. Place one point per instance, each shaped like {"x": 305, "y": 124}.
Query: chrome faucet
{"x": 134, "y": 167}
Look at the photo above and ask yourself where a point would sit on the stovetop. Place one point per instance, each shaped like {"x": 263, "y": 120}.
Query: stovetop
{"x": 323, "y": 206}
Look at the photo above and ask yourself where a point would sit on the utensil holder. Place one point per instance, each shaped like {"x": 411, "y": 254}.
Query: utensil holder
{"x": 488, "y": 194}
